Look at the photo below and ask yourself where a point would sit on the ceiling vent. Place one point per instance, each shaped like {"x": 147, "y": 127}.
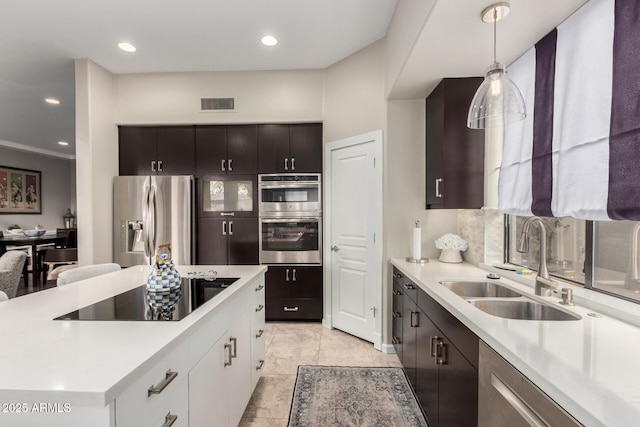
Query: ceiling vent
{"x": 217, "y": 104}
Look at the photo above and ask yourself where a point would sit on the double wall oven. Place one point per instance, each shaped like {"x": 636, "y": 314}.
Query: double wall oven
{"x": 290, "y": 210}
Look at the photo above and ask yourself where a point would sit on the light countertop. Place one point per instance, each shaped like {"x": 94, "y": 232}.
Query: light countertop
{"x": 90, "y": 362}
{"x": 590, "y": 367}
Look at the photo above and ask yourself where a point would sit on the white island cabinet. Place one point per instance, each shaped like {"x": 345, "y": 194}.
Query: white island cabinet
{"x": 198, "y": 371}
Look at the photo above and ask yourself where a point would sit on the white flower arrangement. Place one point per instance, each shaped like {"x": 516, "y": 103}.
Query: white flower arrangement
{"x": 452, "y": 241}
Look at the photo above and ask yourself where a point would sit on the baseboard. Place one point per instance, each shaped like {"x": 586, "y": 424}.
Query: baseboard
{"x": 326, "y": 322}
{"x": 388, "y": 348}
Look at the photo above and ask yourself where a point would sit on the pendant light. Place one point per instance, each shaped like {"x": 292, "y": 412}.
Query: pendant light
{"x": 498, "y": 100}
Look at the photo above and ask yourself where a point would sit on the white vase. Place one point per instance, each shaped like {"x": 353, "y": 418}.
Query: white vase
{"x": 451, "y": 256}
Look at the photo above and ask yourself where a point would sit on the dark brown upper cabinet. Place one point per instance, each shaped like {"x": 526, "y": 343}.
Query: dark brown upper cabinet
{"x": 227, "y": 149}
{"x": 290, "y": 148}
{"x": 454, "y": 153}
{"x": 156, "y": 150}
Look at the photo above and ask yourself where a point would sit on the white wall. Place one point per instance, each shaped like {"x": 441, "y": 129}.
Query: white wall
{"x": 261, "y": 97}
{"x": 354, "y": 101}
{"x": 97, "y": 161}
{"x": 56, "y": 193}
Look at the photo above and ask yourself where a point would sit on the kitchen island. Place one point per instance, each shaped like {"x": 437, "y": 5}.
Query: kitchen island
{"x": 131, "y": 373}
{"x": 588, "y": 366}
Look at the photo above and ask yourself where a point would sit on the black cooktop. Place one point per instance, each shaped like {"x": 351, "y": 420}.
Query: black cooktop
{"x": 138, "y": 304}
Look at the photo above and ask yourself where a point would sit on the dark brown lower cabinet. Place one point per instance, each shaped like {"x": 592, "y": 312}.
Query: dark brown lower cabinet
{"x": 227, "y": 241}
{"x": 439, "y": 355}
{"x": 396, "y": 318}
{"x": 294, "y": 292}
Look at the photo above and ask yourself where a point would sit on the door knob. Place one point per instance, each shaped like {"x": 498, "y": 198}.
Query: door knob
{"x": 335, "y": 248}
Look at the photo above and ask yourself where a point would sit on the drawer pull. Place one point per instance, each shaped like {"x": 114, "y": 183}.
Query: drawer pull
{"x": 169, "y": 420}
{"x": 290, "y": 308}
{"x": 260, "y": 307}
{"x": 396, "y": 314}
{"x": 397, "y": 293}
{"x": 397, "y": 276}
{"x": 228, "y": 361}
{"x": 396, "y": 340}
{"x": 234, "y": 352}
{"x": 409, "y": 286}
{"x": 259, "y": 288}
{"x": 260, "y": 364}
{"x": 260, "y": 332}
{"x": 157, "y": 389}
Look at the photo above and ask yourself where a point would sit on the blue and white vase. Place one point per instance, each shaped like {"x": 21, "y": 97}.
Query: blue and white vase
{"x": 164, "y": 276}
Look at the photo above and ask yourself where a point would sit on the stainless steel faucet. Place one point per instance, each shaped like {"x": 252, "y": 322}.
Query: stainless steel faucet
{"x": 632, "y": 281}
{"x": 544, "y": 285}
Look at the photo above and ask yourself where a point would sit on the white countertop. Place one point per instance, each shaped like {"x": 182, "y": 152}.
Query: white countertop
{"x": 90, "y": 362}
{"x": 590, "y": 367}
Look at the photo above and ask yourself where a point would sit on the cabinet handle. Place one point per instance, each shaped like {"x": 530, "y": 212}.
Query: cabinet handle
{"x": 396, "y": 340}
{"x": 234, "y": 351}
{"x": 417, "y": 321}
{"x": 227, "y": 362}
{"x": 260, "y": 307}
{"x": 260, "y": 333}
{"x": 438, "y": 189}
{"x": 227, "y": 213}
{"x": 290, "y": 308}
{"x": 286, "y": 164}
{"x": 432, "y": 346}
{"x": 409, "y": 286}
{"x": 224, "y": 228}
{"x": 169, "y": 420}
{"x": 259, "y": 288}
{"x": 230, "y": 164}
{"x": 153, "y": 165}
{"x": 287, "y": 275}
{"x": 293, "y": 163}
{"x": 397, "y": 293}
{"x": 230, "y": 228}
{"x": 441, "y": 353}
{"x": 160, "y": 166}
{"x": 260, "y": 364}
{"x": 294, "y": 274}
{"x": 516, "y": 402}
{"x": 397, "y": 275}
{"x": 157, "y": 389}
{"x": 397, "y": 314}
{"x": 223, "y": 165}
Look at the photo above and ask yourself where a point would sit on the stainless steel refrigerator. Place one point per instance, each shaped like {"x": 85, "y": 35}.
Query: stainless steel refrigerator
{"x": 151, "y": 210}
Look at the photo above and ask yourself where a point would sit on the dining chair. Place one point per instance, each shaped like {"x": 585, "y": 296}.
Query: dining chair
{"x": 54, "y": 257}
{"x": 11, "y": 264}
{"x": 86, "y": 272}
{"x": 68, "y": 238}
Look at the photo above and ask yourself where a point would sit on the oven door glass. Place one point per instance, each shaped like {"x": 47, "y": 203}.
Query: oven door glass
{"x": 305, "y": 194}
{"x": 290, "y": 240}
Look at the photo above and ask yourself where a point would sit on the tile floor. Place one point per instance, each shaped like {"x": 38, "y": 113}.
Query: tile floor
{"x": 291, "y": 344}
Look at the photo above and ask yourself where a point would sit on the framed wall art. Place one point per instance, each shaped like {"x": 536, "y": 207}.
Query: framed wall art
{"x": 20, "y": 191}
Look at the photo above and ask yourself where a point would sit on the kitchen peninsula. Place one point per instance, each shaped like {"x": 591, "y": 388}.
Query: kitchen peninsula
{"x": 131, "y": 373}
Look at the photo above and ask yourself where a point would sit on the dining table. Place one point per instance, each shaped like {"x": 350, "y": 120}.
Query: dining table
{"x": 8, "y": 240}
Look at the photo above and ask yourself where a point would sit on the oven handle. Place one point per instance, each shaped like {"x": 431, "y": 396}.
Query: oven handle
{"x": 291, "y": 186}
{"x": 290, "y": 219}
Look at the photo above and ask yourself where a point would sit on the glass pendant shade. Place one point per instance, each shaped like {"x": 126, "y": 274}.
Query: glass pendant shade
{"x": 497, "y": 101}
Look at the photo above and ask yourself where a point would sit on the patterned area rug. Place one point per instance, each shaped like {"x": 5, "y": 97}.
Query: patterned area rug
{"x": 344, "y": 396}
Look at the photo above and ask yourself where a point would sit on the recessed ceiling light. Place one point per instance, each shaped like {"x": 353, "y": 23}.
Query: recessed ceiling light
{"x": 65, "y": 143}
{"x": 127, "y": 47}
{"x": 269, "y": 41}
{"x": 52, "y": 101}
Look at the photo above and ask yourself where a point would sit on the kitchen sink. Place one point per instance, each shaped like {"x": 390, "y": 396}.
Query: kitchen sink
{"x": 522, "y": 310}
{"x": 479, "y": 289}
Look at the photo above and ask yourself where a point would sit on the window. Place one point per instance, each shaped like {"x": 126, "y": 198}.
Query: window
{"x": 566, "y": 245}
{"x": 604, "y": 259}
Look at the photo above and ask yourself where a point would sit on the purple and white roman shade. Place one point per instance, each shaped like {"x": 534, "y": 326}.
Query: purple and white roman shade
{"x": 578, "y": 151}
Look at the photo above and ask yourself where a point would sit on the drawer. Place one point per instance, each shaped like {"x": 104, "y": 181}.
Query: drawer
{"x": 294, "y": 309}
{"x": 135, "y": 405}
{"x": 257, "y": 356}
{"x": 175, "y": 404}
{"x": 402, "y": 282}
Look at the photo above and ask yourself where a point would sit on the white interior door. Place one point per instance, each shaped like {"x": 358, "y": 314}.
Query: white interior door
{"x": 354, "y": 250}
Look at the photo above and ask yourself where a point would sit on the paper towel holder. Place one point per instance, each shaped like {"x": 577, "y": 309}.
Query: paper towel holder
{"x": 416, "y": 259}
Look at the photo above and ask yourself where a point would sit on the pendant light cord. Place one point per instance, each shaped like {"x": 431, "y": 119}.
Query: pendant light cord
{"x": 495, "y": 24}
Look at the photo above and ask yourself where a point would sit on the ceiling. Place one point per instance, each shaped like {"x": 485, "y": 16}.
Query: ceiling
{"x": 42, "y": 37}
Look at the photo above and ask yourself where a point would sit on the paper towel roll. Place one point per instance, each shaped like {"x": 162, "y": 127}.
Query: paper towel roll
{"x": 417, "y": 243}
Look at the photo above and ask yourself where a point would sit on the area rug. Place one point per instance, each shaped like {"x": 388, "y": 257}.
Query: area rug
{"x": 339, "y": 396}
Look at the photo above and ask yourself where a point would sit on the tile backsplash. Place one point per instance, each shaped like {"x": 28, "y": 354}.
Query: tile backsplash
{"x": 483, "y": 229}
